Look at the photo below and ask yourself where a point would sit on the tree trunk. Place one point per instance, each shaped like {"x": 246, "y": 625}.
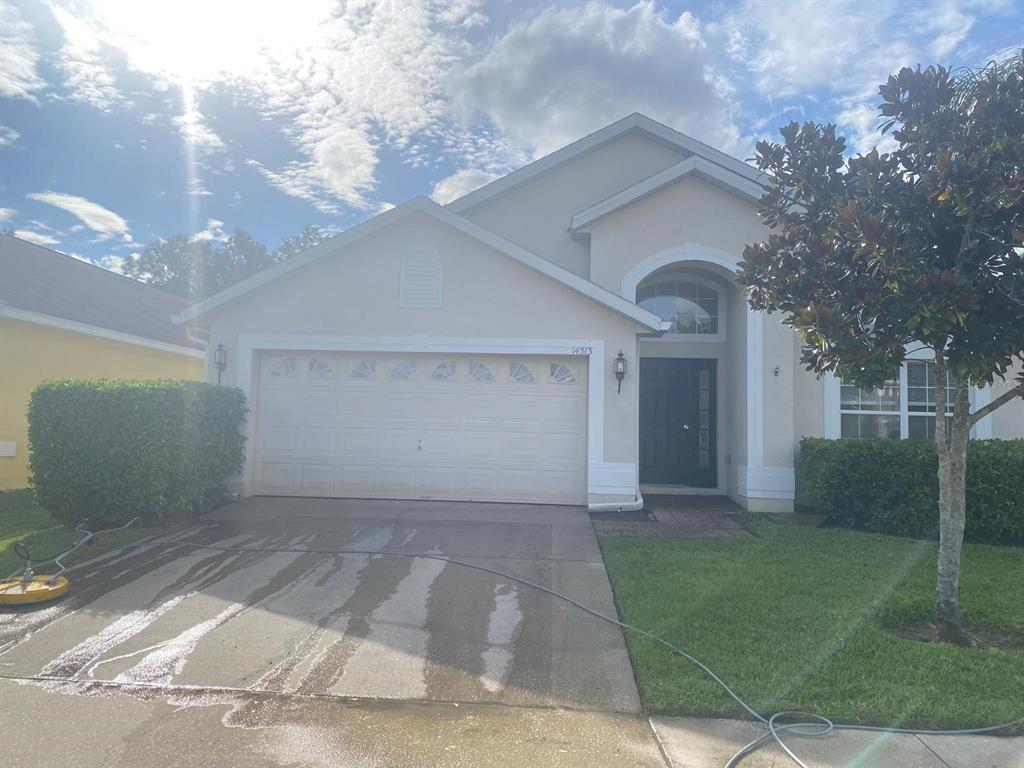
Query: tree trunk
{"x": 951, "y": 446}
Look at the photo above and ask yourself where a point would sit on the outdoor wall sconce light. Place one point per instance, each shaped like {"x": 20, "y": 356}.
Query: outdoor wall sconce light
{"x": 620, "y": 369}
{"x": 220, "y": 359}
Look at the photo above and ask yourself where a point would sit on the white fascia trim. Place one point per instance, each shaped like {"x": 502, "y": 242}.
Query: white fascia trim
{"x": 430, "y": 208}
{"x": 250, "y": 344}
{"x": 52, "y": 321}
{"x": 766, "y": 482}
{"x": 635, "y": 121}
{"x": 698, "y": 166}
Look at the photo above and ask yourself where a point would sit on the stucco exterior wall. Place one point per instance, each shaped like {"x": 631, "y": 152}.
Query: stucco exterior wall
{"x": 1008, "y": 421}
{"x": 689, "y": 211}
{"x": 537, "y": 213}
{"x": 31, "y": 353}
{"x": 356, "y": 293}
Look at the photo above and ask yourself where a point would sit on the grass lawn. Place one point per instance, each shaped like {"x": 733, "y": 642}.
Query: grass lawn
{"x": 21, "y": 519}
{"x": 794, "y": 620}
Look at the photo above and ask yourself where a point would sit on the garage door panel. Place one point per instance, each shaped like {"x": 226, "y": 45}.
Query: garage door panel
{"x": 278, "y": 439}
{"x": 280, "y": 404}
{"x": 354, "y": 480}
{"x": 316, "y": 479}
{"x": 319, "y": 441}
{"x": 321, "y": 405}
{"x": 275, "y": 477}
{"x": 453, "y": 427}
{"x": 400, "y": 478}
{"x": 479, "y": 445}
{"x": 355, "y": 444}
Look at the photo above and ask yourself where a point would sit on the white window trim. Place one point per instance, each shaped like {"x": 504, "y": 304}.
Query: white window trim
{"x": 603, "y": 478}
{"x": 719, "y": 289}
{"x": 979, "y": 397}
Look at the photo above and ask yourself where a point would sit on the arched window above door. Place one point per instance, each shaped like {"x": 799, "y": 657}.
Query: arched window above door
{"x": 694, "y": 306}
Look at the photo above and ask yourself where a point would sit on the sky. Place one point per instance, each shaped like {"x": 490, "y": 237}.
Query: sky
{"x": 123, "y": 121}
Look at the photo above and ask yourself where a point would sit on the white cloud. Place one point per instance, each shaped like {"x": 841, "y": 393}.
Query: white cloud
{"x": 193, "y": 128}
{"x": 343, "y": 76}
{"x": 35, "y": 237}
{"x": 87, "y": 77}
{"x": 8, "y": 135}
{"x": 460, "y": 183}
{"x": 568, "y": 71}
{"x": 99, "y": 219}
{"x": 6, "y": 213}
{"x": 214, "y": 232}
{"x": 861, "y": 122}
{"x": 18, "y": 55}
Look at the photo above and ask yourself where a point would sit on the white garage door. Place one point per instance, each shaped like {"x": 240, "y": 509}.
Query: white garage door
{"x": 421, "y": 427}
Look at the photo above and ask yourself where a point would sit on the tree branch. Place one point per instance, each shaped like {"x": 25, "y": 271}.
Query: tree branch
{"x": 1000, "y": 401}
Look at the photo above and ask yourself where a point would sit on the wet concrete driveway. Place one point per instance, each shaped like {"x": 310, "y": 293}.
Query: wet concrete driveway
{"x": 187, "y": 651}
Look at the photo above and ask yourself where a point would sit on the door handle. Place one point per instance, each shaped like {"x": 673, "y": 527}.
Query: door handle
{"x": 686, "y": 426}
{"x": 419, "y": 445}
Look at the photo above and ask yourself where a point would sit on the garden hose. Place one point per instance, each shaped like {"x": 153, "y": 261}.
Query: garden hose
{"x": 805, "y": 724}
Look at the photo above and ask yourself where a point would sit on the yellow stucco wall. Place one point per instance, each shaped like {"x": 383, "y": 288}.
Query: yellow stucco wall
{"x": 30, "y": 353}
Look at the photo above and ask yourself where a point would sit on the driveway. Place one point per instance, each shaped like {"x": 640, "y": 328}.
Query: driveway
{"x": 173, "y": 654}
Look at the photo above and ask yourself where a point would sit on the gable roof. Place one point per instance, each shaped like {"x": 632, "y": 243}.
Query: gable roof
{"x": 430, "y": 208}
{"x": 633, "y": 122}
{"x": 694, "y": 165}
{"x": 42, "y": 285}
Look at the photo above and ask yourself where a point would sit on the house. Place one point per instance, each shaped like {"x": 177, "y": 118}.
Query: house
{"x": 61, "y": 317}
{"x": 471, "y": 351}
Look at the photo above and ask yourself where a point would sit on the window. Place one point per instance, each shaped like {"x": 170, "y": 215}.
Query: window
{"x": 320, "y": 369}
{"x": 404, "y": 371}
{"x": 480, "y": 372}
{"x": 561, "y": 374}
{"x": 444, "y": 372}
{"x": 690, "y": 304}
{"x": 921, "y": 386}
{"x": 520, "y": 374}
{"x": 364, "y": 369}
{"x": 903, "y": 407}
{"x": 283, "y": 368}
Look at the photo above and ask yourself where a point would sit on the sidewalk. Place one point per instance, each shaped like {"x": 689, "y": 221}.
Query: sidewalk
{"x": 704, "y": 743}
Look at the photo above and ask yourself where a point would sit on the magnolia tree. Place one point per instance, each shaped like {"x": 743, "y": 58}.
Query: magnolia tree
{"x": 915, "y": 250}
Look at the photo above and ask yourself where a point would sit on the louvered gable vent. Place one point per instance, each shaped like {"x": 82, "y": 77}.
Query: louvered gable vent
{"x": 421, "y": 280}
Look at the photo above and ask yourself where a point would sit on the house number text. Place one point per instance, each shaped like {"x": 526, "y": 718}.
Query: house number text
{"x": 583, "y": 351}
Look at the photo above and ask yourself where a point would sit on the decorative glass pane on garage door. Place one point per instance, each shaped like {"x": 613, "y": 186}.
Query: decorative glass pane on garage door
{"x": 404, "y": 371}
{"x": 283, "y": 368}
{"x": 561, "y": 374}
{"x": 480, "y": 372}
{"x": 520, "y": 374}
{"x": 365, "y": 369}
{"x": 444, "y": 372}
{"x": 320, "y": 369}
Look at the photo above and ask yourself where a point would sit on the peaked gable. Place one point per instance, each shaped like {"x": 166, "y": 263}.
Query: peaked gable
{"x": 432, "y": 209}
{"x": 631, "y": 123}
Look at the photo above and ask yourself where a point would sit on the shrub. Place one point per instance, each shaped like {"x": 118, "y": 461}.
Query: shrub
{"x": 106, "y": 450}
{"x": 890, "y": 486}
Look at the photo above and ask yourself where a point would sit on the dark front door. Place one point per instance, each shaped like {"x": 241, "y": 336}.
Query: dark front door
{"x": 677, "y": 422}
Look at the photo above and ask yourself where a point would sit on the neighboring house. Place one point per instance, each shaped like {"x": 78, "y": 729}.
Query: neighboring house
{"x": 468, "y": 351}
{"x": 60, "y": 318}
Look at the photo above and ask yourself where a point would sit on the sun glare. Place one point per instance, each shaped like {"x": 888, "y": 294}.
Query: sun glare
{"x": 202, "y": 41}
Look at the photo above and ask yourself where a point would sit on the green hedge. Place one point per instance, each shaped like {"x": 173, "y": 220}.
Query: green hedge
{"x": 106, "y": 450}
{"x": 890, "y": 486}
